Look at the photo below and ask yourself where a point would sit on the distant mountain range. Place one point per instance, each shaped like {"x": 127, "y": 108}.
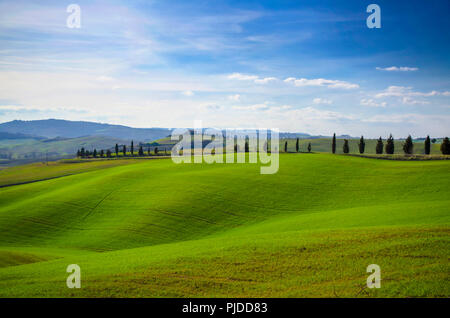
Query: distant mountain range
{"x": 58, "y": 128}
{"x": 53, "y": 128}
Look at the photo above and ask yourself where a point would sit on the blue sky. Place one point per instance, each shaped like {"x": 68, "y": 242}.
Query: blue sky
{"x": 305, "y": 66}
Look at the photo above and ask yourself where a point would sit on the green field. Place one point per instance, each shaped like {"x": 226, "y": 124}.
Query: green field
{"x": 157, "y": 229}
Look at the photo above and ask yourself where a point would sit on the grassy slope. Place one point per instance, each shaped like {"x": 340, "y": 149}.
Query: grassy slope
{"x": 54, "y": 169}
{"x": 226, "y": 230}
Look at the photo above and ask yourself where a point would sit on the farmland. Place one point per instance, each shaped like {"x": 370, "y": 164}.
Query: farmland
{"x": 156, "y": 229}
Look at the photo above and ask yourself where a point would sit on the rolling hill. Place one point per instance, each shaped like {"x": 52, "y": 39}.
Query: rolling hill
{"x": 52, "y": 128}
{"x": 57, "y": 147}
{"x": 153, "y": 228}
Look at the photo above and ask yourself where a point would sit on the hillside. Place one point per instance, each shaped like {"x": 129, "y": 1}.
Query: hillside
{"x": 69, "y": 146}
{"x": 51, "y": 128}
{"x": 153, "y": 228}
{"x": 54, "y": 148}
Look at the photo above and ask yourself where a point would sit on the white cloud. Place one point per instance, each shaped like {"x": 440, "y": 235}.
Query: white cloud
{"x": 265, "y": 107}
{"x": 311, "y": 113}
{"x": 265, "y": 80}
{"x": 321, "y": 82}
{"x": 280, "y": 108}
{"x": 406, "y": 95}
{"x": 252, "y": 107}
{"x": 319, "y": 100}
{"x": 235, "y": 98}
{"x": 254, "y": 78}
{"x": 242, "y": 77}
{"x": 188, "y": 93}
{"x": 211, "y": 107}
{"x": 397, "y": 91}
{"x": 408, "y": 118}
{"x": 104, "y": 79}
{"x": 372, "y": 103}
{"x": 410, "y": 101}
{"x": 297, "y": 82}
{"x": 398, "y": 69}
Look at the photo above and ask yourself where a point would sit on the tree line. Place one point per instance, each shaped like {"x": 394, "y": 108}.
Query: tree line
{"x": 84, "y": 153}
{"x": 389, "y": 148}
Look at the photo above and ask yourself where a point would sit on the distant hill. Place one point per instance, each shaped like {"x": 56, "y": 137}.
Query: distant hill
{"x": 15, "y": 136}
{"x": 52, "y": 128}
{"x": 56, "y": 148}
{"x": 58, "y": 128}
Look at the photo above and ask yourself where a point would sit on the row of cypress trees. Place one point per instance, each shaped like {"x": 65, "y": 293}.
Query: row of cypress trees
{"x": 408, "y": 145}
{"x": 83, "y": 153}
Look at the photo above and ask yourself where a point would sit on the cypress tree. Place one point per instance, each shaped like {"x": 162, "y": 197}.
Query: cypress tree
{"x": 132, "y": 148}
{"x": 379, "y": 147}
{"x": 124, "y": 150}
{"x": 141, "y": 151}
{"x": 108, "y": 153}
{"x": 309, "y": 147}
{"x": 78, "y": 153}
{"x": 246, "y": 146}
{"x": 362, "y": 145}
{"x": 285, "y": 146}
{"x": 445, "y": 146}
{"x": 82, "y": 152}
{"x": 427, "y": 145}
{"x": 156, "y": 150}
{"x": 102, "y": 153}
{"x": 148, "y": 151}
{"x": 345, "y": 148}
{"x": 390, "y": 145}
{"x": 117, "y": 150}
{"x": 408, "y": 146}
{"x": 333, "y": 144}
{"x": 95, "y": 153}
{"x": 297, "y": 146}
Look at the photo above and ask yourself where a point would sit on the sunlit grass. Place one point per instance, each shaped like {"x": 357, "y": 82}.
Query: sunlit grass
{"x": 154, "y": 228}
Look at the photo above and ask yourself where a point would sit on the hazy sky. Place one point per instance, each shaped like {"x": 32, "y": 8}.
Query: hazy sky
{"x": 305, "y": 66}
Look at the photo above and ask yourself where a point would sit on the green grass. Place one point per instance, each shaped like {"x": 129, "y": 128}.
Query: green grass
{"x": 157, "y": 229}
{"x": 54, "y": 169}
